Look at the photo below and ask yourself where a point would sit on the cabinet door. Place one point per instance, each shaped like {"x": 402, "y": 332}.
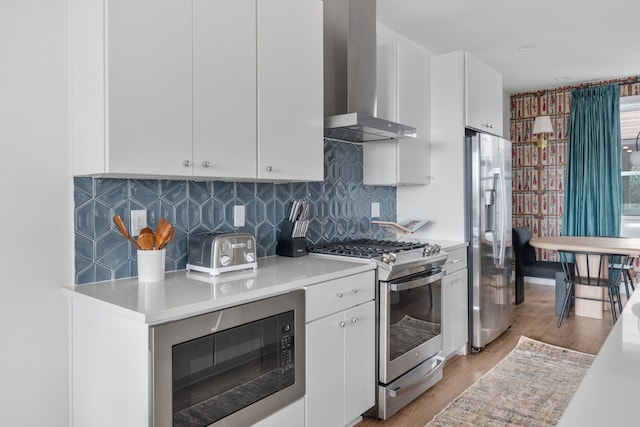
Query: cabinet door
{"x": 484, "y": 96}
{"x": 224, "y": 88}
{"x": 290, "y": 90}
{"x": 148, "y": 86}
{"x": 360, "y": 351}
{"x": 325, "y": 371}
{"x": 454, "y": 312}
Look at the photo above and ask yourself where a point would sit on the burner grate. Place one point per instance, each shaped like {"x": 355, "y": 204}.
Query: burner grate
{"x": 365, "y": 248}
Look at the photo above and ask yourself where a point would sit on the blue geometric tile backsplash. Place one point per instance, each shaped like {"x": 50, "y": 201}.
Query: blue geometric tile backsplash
{"x": 340, "y": 209}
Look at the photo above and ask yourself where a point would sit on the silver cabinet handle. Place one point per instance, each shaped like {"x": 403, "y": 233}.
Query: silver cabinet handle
{"x": 354, "y": 320}
{"x": 342, "y": 324}
{"x": 269, "y": 168}
{"x": 453, "y": 261}
{"x": 354, "y": 291}
{"x": 339, "y": 295}
{"x": 206, "y": 164}
{"x": 186, "y": 163}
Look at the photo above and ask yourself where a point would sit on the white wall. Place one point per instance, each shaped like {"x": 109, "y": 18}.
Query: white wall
{"x": 36, "y": 247}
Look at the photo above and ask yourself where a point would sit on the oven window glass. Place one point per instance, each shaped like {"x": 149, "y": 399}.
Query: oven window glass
{"x": 219, "y": 374}
{"x": 414, "y": 317}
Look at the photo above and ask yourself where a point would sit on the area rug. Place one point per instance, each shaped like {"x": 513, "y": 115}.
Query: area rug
{"x": 531, "y": 386}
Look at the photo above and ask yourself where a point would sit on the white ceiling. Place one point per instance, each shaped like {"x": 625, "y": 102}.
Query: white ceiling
{"x": 574, "y": 40}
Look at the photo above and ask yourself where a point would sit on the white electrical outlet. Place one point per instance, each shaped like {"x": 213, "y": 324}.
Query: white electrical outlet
{"x": 375, "y": 210}
{"x": 238, "y": 216}
{"x": 138, "y": 221}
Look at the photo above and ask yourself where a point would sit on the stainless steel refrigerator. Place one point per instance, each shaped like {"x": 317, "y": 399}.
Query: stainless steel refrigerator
{"x": 488, "y": 231}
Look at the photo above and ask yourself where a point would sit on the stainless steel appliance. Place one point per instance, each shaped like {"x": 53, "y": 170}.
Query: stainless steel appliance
{"x": 488, "y": 231}
{"x": 216, "y": 253}
{"x": 231, "y": 367}
{"x": 350, "y": 75}
{"x": 408, "y": 297}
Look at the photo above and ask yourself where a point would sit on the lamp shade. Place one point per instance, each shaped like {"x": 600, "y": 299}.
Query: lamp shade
{"x": 542, "y": 125}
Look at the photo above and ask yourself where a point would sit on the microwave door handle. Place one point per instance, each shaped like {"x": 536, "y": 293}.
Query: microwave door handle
{"x": 416, "y": 283}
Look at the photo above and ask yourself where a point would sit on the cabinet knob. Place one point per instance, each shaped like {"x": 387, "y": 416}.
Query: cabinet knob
{"x": 186, "y": 163}
{"x": 339, "y": 295}
{"x": 354, "y": 320}
{"x": 206, "y": 164}
{"x": 269, "y": 168}
{"x": 354, "y": 291}
{"x": 342, "y": 324}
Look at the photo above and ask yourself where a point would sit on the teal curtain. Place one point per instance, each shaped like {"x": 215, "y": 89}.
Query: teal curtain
{"x": 593, "y": 191}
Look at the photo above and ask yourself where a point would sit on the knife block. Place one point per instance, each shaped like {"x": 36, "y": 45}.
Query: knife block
{"x": 290, "y": 246}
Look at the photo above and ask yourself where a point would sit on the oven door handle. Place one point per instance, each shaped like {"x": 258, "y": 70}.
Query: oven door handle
{"x": 416, "y": 283}
{"x": 402, "y": 390}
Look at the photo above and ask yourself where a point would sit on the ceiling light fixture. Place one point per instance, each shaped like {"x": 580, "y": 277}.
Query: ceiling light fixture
{"x": 541, "y": 127}
{"x": 635, "y": 156}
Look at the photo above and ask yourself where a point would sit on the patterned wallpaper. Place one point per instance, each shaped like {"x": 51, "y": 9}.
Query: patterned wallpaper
{"x": 340, "y": 208}
{"x": 539, "y": 174}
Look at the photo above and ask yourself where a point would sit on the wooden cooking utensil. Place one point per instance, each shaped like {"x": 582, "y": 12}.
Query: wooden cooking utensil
{"x": 162, "y": 231}
{"x": 146, "y": 239}
{"x": 123, "y": 230}
{"x": 167, "y": 239}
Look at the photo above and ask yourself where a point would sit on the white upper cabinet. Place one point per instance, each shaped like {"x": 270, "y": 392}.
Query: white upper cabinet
{"x": 203, "y": 88}
{"x": 402, "y": 96}
{"x": 290, "y": 90}
{"x": 224, "y": 88}
{"x": 131, "y": 86}
{"x": 483, "y": 96}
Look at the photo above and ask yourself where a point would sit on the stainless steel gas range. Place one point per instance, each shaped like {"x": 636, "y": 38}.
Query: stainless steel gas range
{"x": 408, "y": 297}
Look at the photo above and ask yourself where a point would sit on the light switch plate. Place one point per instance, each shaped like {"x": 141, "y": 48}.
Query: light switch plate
{"x": 238, "y": 216}
{"x": 375, "y": 210}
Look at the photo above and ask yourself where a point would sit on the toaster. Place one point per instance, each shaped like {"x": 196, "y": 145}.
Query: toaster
{"x": 216, "y": 253}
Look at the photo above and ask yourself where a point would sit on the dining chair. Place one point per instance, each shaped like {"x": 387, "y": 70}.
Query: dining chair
{"x": 594, "y": 270}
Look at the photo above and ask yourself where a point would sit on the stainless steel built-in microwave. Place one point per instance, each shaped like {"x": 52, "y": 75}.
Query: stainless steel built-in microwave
{"x": 230, "y": 367}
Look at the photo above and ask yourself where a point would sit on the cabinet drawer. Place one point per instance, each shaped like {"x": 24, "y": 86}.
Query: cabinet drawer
{"x": 457, "y": 260}
{"x": 337, "y": 295}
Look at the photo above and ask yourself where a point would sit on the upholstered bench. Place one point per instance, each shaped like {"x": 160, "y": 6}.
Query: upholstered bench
{"x": 528, "y": 266}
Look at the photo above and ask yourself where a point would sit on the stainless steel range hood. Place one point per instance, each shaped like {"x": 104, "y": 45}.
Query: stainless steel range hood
{"x": 350, "y": 75}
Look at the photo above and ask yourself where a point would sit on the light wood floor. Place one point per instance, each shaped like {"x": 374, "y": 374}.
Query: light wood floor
{"x": 536, "y": 319}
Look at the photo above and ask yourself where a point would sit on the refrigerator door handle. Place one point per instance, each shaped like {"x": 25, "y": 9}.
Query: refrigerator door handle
{"x": 502, "y": 233}
{"x": 494, "y": 220}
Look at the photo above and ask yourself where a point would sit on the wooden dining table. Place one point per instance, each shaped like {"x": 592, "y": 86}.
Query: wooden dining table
{"x": 586, "y": 244}
{"x": 599, "y": 261}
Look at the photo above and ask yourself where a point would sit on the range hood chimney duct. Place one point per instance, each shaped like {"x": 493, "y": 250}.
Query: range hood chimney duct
{"x": 350, "y": 75}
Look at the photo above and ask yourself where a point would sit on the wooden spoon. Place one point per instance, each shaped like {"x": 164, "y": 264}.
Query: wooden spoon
{"x": 123, "y": 230}
{"x": 162, "y": 231}
{"x": 167, "y": 239}
{"x": 146, "y": 239}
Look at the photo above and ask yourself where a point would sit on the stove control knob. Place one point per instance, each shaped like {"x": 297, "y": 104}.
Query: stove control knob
{"x": 389, "y": 258}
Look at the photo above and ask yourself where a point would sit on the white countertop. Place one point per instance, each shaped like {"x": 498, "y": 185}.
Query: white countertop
{"x": 183, "y": 294}
{"x": 609, "y": 392}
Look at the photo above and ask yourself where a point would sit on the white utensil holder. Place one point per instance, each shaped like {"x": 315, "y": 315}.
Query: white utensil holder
{"x": 151, "y": 265}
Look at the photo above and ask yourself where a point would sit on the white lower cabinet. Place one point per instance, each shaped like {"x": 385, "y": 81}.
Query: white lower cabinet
{"x": 455, "y": 327}
{"x": 291, "y": 416}
{"x": 340, "y": 350}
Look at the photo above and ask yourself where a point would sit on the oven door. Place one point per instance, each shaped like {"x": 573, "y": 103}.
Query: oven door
{"x": 410, "y": 322}
{"x": 230, "y": 367}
